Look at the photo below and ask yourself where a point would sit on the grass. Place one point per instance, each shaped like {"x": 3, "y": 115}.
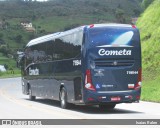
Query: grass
{"x": 149, "y": 26}
{"x": 151, "y": 90}
{"x": 11, "y": 63}
{"x": 8, "y": 74}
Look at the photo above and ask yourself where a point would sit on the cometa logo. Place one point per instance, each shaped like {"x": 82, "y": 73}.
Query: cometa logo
{"x": 103, "y": 52}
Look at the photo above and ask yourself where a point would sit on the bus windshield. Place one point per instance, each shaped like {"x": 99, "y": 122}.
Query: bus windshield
{"x": 108, "y": 37}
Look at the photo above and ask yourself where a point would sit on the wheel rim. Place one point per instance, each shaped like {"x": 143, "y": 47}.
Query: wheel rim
{"x": 63, "y": 98}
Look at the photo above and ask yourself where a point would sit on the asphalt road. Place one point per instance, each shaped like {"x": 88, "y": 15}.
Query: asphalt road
{"x": 15, "y": 105}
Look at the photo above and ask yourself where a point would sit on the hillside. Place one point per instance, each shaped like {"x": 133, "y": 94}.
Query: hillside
{"x": 149, "y": 25}
{"x": 57, "y": 15}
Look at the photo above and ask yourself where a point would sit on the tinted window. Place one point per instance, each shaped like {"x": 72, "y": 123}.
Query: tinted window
{"x": 49, "y": 50}
{"x": 68, "y": 46}
{"x": 36, "y": 53}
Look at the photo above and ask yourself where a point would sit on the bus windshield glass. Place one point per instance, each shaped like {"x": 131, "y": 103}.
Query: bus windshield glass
{"x": 108, "y": 37}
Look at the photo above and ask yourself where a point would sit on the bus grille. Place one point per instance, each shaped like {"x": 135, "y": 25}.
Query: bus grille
{"x": 113, "y": 63}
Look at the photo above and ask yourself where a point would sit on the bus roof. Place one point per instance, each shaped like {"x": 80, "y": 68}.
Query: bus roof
{"x": 42, "y": 39}
{"x": 110, "y": 25}
{"x": 59, "y": 34}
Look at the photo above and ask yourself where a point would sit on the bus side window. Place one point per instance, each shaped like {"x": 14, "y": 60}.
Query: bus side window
{"x": 58, "y": 48}
{"x": 40, "y": 56}
{"x": 49, "y": 50}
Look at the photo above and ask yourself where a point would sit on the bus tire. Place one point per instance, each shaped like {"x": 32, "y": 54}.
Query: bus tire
{"x": 108, "y": 106}
{"x": 63, "y": 98}
{"x": 32, "y": 98}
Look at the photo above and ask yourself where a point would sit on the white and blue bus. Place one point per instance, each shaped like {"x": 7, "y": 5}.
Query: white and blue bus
{"x": 97, "y": 64}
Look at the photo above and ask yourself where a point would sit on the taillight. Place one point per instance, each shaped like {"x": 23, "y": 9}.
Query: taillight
{"x": 139, "y": 83}
{"x": 88, "y": 81}
{"x": 91, "y": 26}
{"x": 134, "y": 26}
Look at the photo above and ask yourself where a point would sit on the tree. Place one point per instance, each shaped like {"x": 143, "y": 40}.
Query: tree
{"x": 137, "y": 12}
{"x": 1, "y": 35}
{"x": 4, "y": 50}
{"x": 146, "y": 3}
{"x": 15, "y": 0}
{"x": 18, "y": 38}
{"x": 120, "y": 15}
{"x": 33, "y": 17}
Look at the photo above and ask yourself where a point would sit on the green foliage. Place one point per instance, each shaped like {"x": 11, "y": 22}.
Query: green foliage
{"x": 9, "y": 74}
{"x": 18, "y": 38}
{"x": 1, "y": 35}
{"x": 120, "y": 15}
{"x": 151, "y": 90}
{"x": 149, "y": 26}
{"x": 4, "y": 50}
{"x": 146, "y": 3}
{"x": 11, "y": 63}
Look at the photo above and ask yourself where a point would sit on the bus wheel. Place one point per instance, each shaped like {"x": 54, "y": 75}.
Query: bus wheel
{"x": 108, "y": 106}
{"x": 63, "y": 98}
{"x": 30, "y": 95}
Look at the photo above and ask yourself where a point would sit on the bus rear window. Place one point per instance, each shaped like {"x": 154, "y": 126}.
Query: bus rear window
{"x": 127, "y": 37}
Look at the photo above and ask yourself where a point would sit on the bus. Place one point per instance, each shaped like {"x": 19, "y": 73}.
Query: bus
{"x": 98, "y": 64}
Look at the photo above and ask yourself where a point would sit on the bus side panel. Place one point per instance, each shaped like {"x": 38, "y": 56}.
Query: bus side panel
{"x": 69, "y": 76}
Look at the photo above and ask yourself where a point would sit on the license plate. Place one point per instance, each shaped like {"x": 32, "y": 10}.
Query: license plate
{"x": 117, "y": 98}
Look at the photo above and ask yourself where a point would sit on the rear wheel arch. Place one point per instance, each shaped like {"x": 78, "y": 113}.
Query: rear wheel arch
{"x": 28, "y": 87}
{"x": 31, "y": 97}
